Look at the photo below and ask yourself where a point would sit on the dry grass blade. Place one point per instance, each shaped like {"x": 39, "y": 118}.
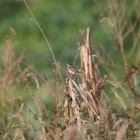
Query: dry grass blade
{"x": 107, "y": 20}
{"x": 120, "y": 100}
{"x": 34, "y": 77}
{"x": 34, "y": 19}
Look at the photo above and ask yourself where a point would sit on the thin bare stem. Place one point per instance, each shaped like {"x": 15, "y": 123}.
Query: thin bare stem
{"x": 43, "y": 34}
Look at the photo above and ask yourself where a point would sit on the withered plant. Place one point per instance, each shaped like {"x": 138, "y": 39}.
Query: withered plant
{"x": 120, "y": 21}
{"x": 88, "y": 113}
{"x": 11, "y": 74}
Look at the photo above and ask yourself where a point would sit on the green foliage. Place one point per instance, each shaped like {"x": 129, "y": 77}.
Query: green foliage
{"x": 59, "y": 20}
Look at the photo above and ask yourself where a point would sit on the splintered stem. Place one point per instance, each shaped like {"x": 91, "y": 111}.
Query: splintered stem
{"x": 86, "y": 59}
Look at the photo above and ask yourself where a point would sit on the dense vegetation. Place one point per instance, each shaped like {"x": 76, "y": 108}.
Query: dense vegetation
{"x": 42, "y": 99}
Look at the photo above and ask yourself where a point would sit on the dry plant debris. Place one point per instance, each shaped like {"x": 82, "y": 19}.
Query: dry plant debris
{"x": 83, "y": 97}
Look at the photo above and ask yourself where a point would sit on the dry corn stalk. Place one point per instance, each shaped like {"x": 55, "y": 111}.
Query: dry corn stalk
{"x": 85, "y": 95}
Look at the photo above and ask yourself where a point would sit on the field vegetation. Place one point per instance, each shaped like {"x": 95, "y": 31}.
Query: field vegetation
{"x": 90, "y": 92}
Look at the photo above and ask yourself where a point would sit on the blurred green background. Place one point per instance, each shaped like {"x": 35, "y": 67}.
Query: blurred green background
{"x": 61, "y": 22}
